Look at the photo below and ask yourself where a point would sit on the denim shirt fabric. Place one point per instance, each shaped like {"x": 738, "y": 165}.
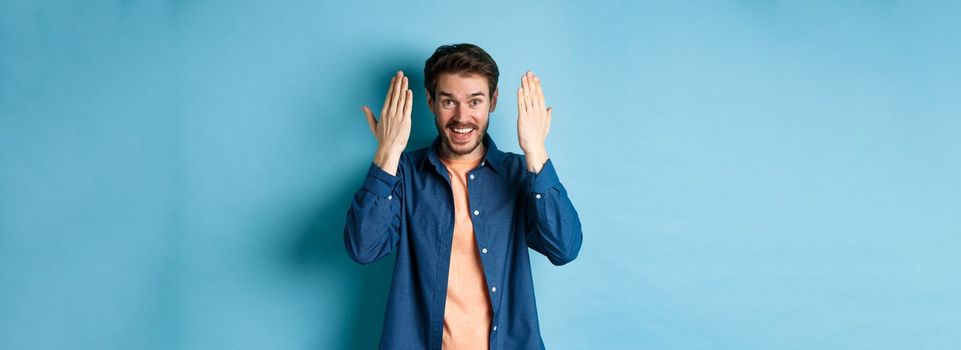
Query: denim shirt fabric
{"x": 412, "y": 215}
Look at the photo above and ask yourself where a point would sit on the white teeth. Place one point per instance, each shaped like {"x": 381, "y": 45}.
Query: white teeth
{"x": 463, "y": 131}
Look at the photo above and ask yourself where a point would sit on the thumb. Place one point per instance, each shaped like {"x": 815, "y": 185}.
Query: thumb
{"x": 370, "y": 120}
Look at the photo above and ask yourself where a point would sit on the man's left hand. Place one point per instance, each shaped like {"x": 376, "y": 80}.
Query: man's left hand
{"x": 533, "y": 121}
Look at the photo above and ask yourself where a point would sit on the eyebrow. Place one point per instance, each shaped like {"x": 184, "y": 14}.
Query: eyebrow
{"x": 444, "y": 93}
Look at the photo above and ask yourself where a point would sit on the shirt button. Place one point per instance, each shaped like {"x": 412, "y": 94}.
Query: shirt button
{"x": 495, "y": 328}
{"x": 538, "y": 196}
{"x": 471, "y": 176}
{"x": 482, "y": 162}
{"x": 476, "y": 212}
{"x": 390, "y": 197}
{"x": 484, "y": 250}
{"x": 493, "y": 289}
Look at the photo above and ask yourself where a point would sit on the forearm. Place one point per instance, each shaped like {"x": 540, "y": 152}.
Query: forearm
{"x": 554, "y": 226}
{"x": 373, "y": 228}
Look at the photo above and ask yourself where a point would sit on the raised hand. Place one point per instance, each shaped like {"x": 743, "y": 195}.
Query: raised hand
{"x": 533, "y": 121}
{"x": 393, "y": 129}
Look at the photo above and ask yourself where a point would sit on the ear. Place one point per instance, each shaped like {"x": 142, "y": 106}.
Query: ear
{"x": 430, "y": 101}
{"x": 494, "y": 100}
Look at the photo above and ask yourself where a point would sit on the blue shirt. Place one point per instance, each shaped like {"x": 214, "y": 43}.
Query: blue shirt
{"x": 412, "y": 215}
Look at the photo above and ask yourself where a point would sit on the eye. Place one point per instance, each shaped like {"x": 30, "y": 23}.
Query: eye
{"x": 475, "y": 101}
{"x": 447, "y": 103}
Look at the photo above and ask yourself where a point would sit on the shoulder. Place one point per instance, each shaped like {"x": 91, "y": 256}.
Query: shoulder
{"x": 514, "y": 166}
{"x": 514, "y": 161}
{"x": 416, "y": 155}
{"x": 411, "y": 160}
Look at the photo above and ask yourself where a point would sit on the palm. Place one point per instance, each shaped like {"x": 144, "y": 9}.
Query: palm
{"x": 533, "y": 117}
{"x": 392, "y": 130}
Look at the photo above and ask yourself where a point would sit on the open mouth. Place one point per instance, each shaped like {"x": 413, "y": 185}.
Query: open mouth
{"x": 461, "y": 134}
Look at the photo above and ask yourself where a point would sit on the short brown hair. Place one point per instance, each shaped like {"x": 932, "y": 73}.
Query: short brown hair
{"x": 460, "y": 59}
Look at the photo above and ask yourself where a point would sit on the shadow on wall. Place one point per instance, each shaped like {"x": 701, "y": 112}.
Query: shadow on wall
{"x": 319, "y": 249}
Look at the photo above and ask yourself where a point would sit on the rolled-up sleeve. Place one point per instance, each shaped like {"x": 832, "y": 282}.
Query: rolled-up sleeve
{"x": 372, "y": 229}
{"x": 553, "y": 227}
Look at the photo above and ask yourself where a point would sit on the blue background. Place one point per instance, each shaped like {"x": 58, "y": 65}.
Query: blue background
{"x": 749, "y": 174}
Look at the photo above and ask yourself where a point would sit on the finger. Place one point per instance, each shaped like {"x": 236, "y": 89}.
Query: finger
{"x": 525, "y": 82}
{"x": 404, "y": 90}
{"x": 408, "y": 103}
{"x": 402, "y": 98}
{"x": 370, "y": 120}
{"x": 520, "y": 101}
{"x": 390, "y": 91}
{"x": 395, "y": 100}
{"x": 538, "y": 93}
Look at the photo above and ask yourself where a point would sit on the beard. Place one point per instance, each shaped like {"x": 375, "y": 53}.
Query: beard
{"x": 457, "y": 147}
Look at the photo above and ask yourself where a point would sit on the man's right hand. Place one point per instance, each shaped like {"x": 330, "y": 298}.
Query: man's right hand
{"x": 393, "y": 129}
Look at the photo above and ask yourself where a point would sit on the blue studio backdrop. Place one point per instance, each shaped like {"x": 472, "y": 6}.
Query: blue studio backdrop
{"x": 749, "y": 174}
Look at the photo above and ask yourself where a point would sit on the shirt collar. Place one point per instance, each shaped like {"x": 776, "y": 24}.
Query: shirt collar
{"x": 493, "y": 158}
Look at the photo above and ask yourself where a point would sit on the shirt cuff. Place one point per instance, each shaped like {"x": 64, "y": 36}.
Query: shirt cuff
{"x": 379, "y": 182}
{"x": 546, "y": 178}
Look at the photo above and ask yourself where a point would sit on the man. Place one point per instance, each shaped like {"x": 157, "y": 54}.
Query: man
{"x": 460, "y": 214}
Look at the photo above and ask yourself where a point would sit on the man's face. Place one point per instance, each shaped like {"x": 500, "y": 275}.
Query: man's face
{"x": 462, "y": 110}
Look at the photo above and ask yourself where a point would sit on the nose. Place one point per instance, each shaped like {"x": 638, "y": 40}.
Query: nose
{"x": 462, "y": 113}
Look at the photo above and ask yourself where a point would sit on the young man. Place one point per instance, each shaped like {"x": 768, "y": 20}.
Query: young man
{"x": 460, "y": 214}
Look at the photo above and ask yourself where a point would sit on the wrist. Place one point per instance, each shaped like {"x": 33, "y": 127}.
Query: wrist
{"x": 390, "y": 149}
{"x": 531, "y": 147}
{"x": 535, "y": 159}
{"x": 387, "y": 159}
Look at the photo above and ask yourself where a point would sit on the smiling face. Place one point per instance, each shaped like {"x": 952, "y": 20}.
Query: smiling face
{"x": 462, "y": 110}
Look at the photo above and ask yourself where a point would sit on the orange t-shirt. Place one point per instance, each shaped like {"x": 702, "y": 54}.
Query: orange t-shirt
{"x": 467, "y": 313}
